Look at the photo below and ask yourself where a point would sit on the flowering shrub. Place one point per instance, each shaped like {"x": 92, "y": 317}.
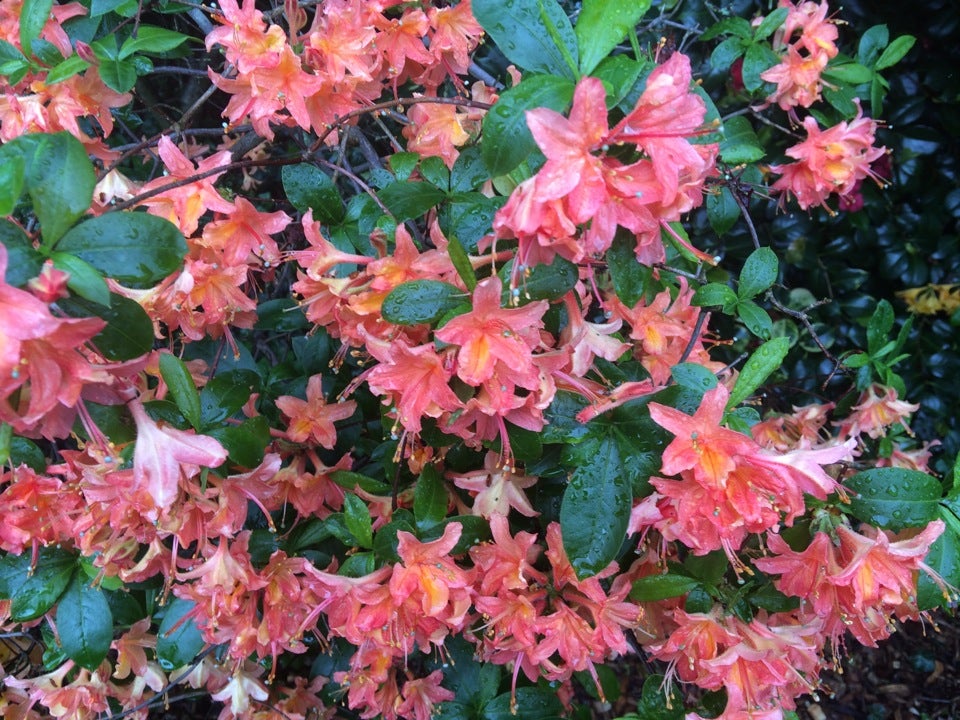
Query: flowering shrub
{"x": 423, "y": 398}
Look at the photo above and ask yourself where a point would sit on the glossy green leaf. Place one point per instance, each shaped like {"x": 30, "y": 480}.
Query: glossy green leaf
{"x": 420, "y": 301}
{"x": 150, "y": 40}
{"x": 356, "y": 516}
{"x": 660, "y": 587}
{"x": 67, "y": 69}
{"x": 596, "y": 509}
{"x": 85, "y": 623}
{"x": 659, "y": 700}
{"x": 872, "y": 43}
{"x": 468, "y": 217}
{"x": 629, "y": 276}
{"x": 506, "y": 138}
{"x": 726, "y": 53}
{"x": 225, "y": 394}
{"x": 183, "y": 391}
{"x": 59, "y": 179}
{"x": 849, "y": 72}
{"x": 722, "y": 211}
{"x": 473, "y": 531}
{"x": 770, "y": 24}
{"x": 309, "y": 188}
{"x": 562, "y": 424}
{"x": 533, "y": 703}
{"x": 943, "y": 558}
{"x": 894, "y": 498}
{"x": 714, "y": 295}
{"x": 759, "y": 366}
{"x": 542, "y": 282}
{"x": 895, "y": 52}
{"x": 536, "y": 35}
{"x": 429, "y": 498}
{"x": 25, "y": 452}
{"x": 434, "y": 170}
{"x": 178, "y": 639}
{"x": 352, "y": 480}
{"x": 755, "y": 318}
{"x": 468, "y": 172}
{"x": 12, "y": 179}
{"x": 461, "y": 261}
{"x": 33, "y": 16}
{"x": 84, "y": 279}
{"x": 128, "y": 333}
{"x": 694, "y": 377}
{"x": 759, "y": 273}
{"x": 740, "y": 144}
{"x": 619, "y": 74}
{"x": 408, "y": 200}
{"x": 879, "y": 326}
{"x": 23, "y": 262}
{"x": 118, "y": 75}
{"x": 244, "y": 443}
{"x": 39, "y": 591}
{"x": 735, "y": 26}
{"x": 134, "y": 248}
{"x": 758, "y": 58}
{"x": 602, "y": 25}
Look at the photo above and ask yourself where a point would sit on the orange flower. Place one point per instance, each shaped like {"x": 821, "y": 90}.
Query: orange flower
{"x": 312, "y": 419}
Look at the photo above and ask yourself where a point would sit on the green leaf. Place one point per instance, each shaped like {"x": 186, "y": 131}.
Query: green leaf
{"x": 352, "y": 480}
{"x": 102, "y": 7}
{"x": 133, "y": 248}
{"x": 562, "y": 424}
{"x": 755, "y": 318}
{"x": 468, "y": 172}
{"x": 620, "y": 73}
{"x": 694, "y": 377}
{"x": 468, "y": 217}
{"x": 736, "y": 26}
{"x": 629, "y": 276}
{"x": 402, "y": 164}
{"x": 879, "y": 327}
{"x": 26, "y": 452}
{"x": 770, "y": 24}
{"x": 244, "y": 443}
{"x": 857, "y": 360}
{"x": 84, "y": 279}
{"x": 602, "y": 25}
{"x": 659, "y": 700}
{"x": 533, "y": 703}
{"x": 178, "y": 639}
{"x": 461, "y": 261}
{"x": 714, "y": 295}
{"x": 225, "y": 394}
{"x": 182, "y": 389}
{"x": 872, "y": 43}
{"x": 894, "y": 498}
{"x": 12, "y": 178}
{"x": 724, "y": 54}
{"x": 356, "y": 516}
{"x": 506, "y": 138}
{"x": 536, "y": 35}
{"x": 420, "y": 301}
{"x": 60, "y": 181}
{"x": 309, "y": 188}
{"x": 407, "y": 200}
{"x": 722, "y": 211}
{"x": 67, "y": 69}
{"x": 435, "y": 172}
{"x": 759, "y": 273}
{"x": 151, "y": 40}
{"x": 118, "y": 75}
{"x": 129, "y": 331}
{"x": 661, "y": 587}
{"x": 596, "y": 509}
{"x": 542, "y": 282}
{"x": 85, "y": 623}
{"x": 33, "y": 16}
{"x": 849, "y": 72}
{"x": 764, "y": 361}
{"x": 740, "y": 144}
{"x": 758, "y": 58}
{"x": 429, "y": 498}
{"x": 895, "y": 52}
{"x": 38, "y": 592}
{"x": 23, "y": 262}
{"x": 943, "y": 558}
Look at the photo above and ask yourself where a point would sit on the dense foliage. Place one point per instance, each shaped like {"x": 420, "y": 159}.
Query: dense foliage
{"x": 421, "y": 359}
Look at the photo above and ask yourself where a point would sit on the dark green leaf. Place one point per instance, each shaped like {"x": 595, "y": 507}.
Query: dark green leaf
{"x": 356, "y": 516}
{"x": 758, "y": 58}
{"x": 182, "y": 389}
{"x": 872, "y": 43}
{"x": 740, "y": 143}
{"x": 178, "y": 639}
{"x": 352, "y": 480}
{"x": 596, "y": 509}
{"x": 620, "y": 73}
{"x": 850, "y": 72}
{"x": 895, "y": 52}
{"x": 736, "y": 26}
{"x": 102, "y": 7}
{"x": 385, "y": 541}
{"x": 714, "y": 295}
{"x": 59, "y": 180}
{"x": 654, "y": 701}
{"x": 134, "y": 248}
{"x": 85, "y": 623}
{"x": 764, "y": 361}
{"x": 407, "y": 200}
{"x": 151, "y": 40}
{"x": 755, "y": 318}
{"x": 435, "y": 172}
{"x": 943, "y": 558}
{"x": 534, "y": 34}
{"x": 468, "y": 171}
{"x": 759, "y": 273}
{"x": 118, "y": 75}
{"x": 358, "y": 564}
{"x": 420, "y": 301}
{"x": 12, "y": 177}
{"x": 695, "y": 377}
{"x": 468, "y": 217}
{"x": 281, "y": 315}
{"x": 429, "y": 498}
{"x": 129, "y": 330}
{"x": 661, "y": 587}
{"x": 33, "y": 16}
{"x": 533, "y": 703}
{"x": 629, "y": 276}
{"x": 602, "y": 25}
{"x": 724, "y": 54}
{"x": 309, "y": 188}
{"x": 842, "y": 98}
{"x": 23, "y": 262}
{"x": 770, "y": 24}
{"x": 461, "y": 261}
{"x": 562, "y": 424}
{"x": 722, "y": 211}
{"x": 506, "y": 138}
{"x": 84, "y": 279}
{"x": 39, "y": 592}
{"x": 225, "y": 394}
{"x": 542, "y": 282}
{"x": 245, "y": 443}
{"x": 67, "y": 69}
{"x": 894, "y": 498}
{"x": 402, "y": 164}
{"x": 879, "y": 326}
{"x": 26, "y": 452}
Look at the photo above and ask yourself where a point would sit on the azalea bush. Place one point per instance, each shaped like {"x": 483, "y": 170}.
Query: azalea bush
{"x": 410, "y": 360}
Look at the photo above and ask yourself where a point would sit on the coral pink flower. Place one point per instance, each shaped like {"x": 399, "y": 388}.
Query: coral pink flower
{"x": 312, "y": 419}
{"x": 430, "y": 579}
{"x": 421, "y": 694}
{"x": 877, "y": 410}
